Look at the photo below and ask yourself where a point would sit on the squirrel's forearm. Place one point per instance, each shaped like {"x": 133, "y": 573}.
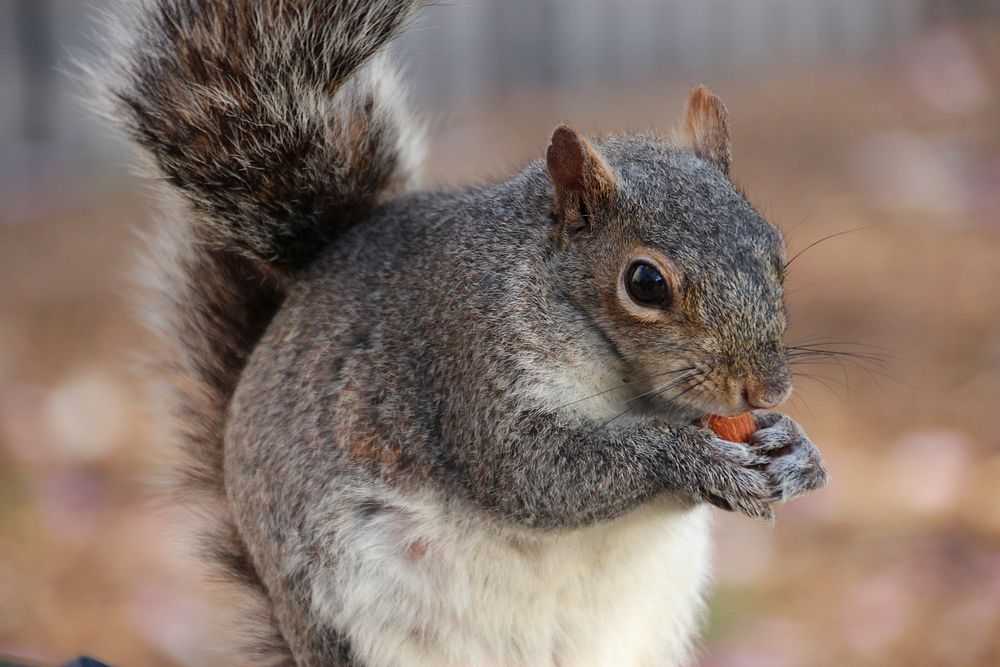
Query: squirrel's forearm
{"x": 552, "y": 474}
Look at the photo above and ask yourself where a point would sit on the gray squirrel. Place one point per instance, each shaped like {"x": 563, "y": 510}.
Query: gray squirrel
{"x": 457, "y": 428}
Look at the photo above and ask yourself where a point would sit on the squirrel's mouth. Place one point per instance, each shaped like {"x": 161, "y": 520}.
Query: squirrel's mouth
{"x": 698, "y": 412}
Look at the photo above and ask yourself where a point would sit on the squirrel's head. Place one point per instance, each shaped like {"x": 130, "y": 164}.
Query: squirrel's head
{"x": 670, "y": 265}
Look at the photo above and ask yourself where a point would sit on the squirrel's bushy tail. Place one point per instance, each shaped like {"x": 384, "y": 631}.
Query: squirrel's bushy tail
{"x": 278, "y": 124}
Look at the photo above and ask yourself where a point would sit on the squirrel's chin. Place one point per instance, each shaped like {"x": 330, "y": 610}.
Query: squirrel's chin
{"x": 679, "y": 414}
{"x": 696, "y": 415}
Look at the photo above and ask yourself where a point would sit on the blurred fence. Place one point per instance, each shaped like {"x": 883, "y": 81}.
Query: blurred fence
{"x": 467, "y": 47}
{"x": 502, "y": 44}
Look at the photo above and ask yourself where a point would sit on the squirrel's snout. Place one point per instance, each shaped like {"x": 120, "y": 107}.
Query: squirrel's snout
{"x": 764, "y": 395}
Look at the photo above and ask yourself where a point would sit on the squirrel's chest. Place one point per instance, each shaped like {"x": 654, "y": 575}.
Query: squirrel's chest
{"x": 442, "y": 593}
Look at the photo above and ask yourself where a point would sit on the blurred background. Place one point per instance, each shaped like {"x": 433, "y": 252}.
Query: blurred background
{"x": 880, "y": 116}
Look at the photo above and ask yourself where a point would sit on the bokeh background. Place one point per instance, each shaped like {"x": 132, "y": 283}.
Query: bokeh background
{"x": 880, "y": 116}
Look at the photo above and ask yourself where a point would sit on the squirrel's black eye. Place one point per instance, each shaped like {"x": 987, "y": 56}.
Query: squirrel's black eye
{"x": 647, "y": 286}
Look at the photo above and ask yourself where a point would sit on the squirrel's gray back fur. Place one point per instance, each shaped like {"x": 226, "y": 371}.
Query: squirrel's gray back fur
{"x": 454, "y": 428}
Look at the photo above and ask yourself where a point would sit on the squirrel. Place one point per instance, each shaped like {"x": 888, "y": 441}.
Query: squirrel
{"x": 456, "y": 428}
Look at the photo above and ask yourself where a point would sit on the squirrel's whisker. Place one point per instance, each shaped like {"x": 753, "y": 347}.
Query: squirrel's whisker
{"x": 624, "y": 384}
{"x": 649, "y": 395}
{"x": 873, "y": 367}
{"x": 805, "y": 404}
{"x": 797, "y": 351}
{"x": 689, "y": 389}
{"x": 658, "y": 390}
{"x": 827, "y": 238}
{"x": 827, "y": 382}
{"x": 812, "y": 341}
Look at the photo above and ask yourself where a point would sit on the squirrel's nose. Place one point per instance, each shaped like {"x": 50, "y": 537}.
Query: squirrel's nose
{"x": 765, "y": 395}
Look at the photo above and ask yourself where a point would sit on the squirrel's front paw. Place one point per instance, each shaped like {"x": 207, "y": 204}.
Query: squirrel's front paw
{"x": 733, "y": 479}
{"x": 793, "y": 463}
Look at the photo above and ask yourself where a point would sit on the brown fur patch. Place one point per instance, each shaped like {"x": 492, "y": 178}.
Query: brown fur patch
{"x": 373, "y": 449}
{"x": 364, "y": 442}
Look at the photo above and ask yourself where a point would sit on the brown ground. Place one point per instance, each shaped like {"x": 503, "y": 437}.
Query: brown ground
{"x": 896, "y": 563}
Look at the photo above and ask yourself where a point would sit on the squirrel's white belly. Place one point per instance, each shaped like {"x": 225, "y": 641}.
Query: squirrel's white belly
{"x": 414, "y": 587}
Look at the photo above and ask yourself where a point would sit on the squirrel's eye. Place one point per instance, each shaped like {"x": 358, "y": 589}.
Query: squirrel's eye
{"x": 647, "y": 286}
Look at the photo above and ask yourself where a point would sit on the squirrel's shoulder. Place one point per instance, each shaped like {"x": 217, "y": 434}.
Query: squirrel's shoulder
{"x": 513, "y": 211}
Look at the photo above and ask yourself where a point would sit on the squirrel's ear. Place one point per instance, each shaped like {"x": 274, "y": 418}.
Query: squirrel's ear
{"x": 583, "y": 181}
{"x": 706, "y": 128}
